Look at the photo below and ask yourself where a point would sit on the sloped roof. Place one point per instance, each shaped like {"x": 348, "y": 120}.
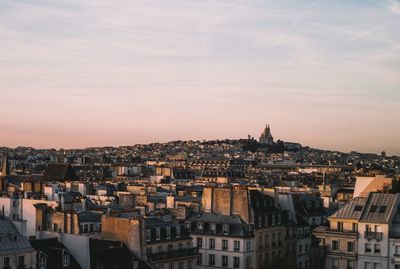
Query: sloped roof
{"x": 10, "y": 238}
{"x": 54, "y": 250}
{"x": 351, "y": 210}
{"x": 60, "y": 172}
{"x": 216, "y": 218}
{"x": 379, "y": 207}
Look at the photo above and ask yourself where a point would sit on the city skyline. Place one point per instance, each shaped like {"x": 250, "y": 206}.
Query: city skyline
{"x": 76, "y": 75}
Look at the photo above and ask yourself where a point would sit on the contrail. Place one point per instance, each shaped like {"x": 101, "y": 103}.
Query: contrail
{"x": 293, "y": 25}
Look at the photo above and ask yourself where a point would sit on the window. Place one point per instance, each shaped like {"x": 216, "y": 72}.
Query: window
{"x": 190, "y": 265}
{"x": 225, "y": 229}
{"x": 335, "y": 264}
{"x": 224, "y": 261}
{"x": 367, "y": 265}
{"x": 211, "y": 259}
{"x": 236, "y": 262}
{"x": 367, "y": 248}
{"x": 340, "y": 226}
{"x": 377, "y": 248}
{"x": 236, "y": 246}
{"x": 213, "y": 227}
{"x": 199, "y": 258}
{"x": 199, "y": 242}
{"x": 224, "y": 244}
{"x": 335, "y": 245}
{"x": 248, "y": 262}
{"x": 300, "y": 248}
{"x": 279, "y": 219}
{"x": 266, "y": 241}
{"x": 6, "y": 262}
{"x": 158, "y": 234}
{"x": 373, "y": 208}
{"x": 377, "y": 266}
{"x": 259, "y": 221}
{"x": 212, "y": 243}
{"x": 358, "y": 208}
{"x": 248, "y": 245}
{"x": 171, "y": 266}
{"x": 397, "y": 251}
{"x": 382, "y": 209}
{"x": 350, "y": 246}
{"x": 168, "y": 232}
{"x": 397, "y": 266}
{"x": 350, "y": 264}
{"x": 354, "y": 228}
{"x": 200, "y": 226}
{"x": 21, "y": 260}
{"x": 148, "y": 235}
{"x": 180, "y": 265}
{"x": 273, "y": 219}
{"x": 42, "y": 263}
{"x": 66, "y": 260}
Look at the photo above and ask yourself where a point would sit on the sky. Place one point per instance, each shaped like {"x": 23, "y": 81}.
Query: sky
{"x": 97, "y": 72}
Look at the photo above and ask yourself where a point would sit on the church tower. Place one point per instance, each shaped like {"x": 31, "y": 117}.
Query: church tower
{"x": 266, "y": 136}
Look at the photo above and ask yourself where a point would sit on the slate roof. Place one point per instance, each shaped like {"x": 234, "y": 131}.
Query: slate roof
{"x": 237, "y": 227}
{"x": 60, "y": 172}
{"x": 379, "y": 207}
{"x": 89, "y": 217}
{"x": 352, "y": 209}
{"x": 11, "y": 239}
{"x": 54, "y": 250}
{"x": 301, "y": 201}
{"x": 215, "y": 218}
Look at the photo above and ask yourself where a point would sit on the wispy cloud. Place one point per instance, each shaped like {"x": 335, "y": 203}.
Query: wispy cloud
{"x": 98, "y": 66}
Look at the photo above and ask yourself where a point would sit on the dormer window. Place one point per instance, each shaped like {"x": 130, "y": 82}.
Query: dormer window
{"x": 225, "y": 229}
{"x": 309, "y": 205}
{"x": 42, "y": 263}
{"x": 66, "y": 260}
{"x": 148, "y": 235}
{"x": 213, "y": 227}
{"x": 200, "y": 226}
{"x": 158, "y": 234}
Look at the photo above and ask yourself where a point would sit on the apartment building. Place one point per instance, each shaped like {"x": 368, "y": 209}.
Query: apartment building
{"x": 223, "y": 241}
{"x": 364, "y": 234}
{"x": 164, "y": 243}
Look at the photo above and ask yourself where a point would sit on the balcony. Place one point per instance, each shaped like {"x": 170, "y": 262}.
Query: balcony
{"x": 327, "y": 230}
{"x": 176, "y": 254}
{"x": 373, "y": 235}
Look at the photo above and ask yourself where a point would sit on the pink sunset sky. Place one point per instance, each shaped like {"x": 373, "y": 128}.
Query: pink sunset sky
{"x": 96, "y": 73}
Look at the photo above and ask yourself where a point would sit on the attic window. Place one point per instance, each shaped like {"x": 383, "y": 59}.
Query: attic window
{"x": 200, "y": 226}
{"x": 373, "y": 208}
{"x": 225, "y": 229}
{"x": 382, "y": 209}
{"x": 358, "y": 208}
